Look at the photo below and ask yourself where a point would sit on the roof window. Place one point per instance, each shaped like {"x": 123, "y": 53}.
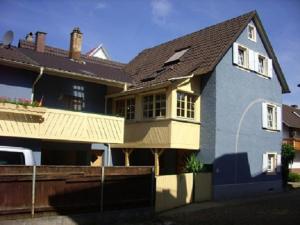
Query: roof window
{"x": 176, "y": 56}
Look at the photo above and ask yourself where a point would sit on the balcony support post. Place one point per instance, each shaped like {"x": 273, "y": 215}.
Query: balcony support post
{"x": 157, "y": 153}
{"x": 127, "y": 153}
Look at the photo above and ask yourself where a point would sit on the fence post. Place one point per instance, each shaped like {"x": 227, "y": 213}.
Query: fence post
{"x": 153, "y": 188}
{"x": 102, "y": 187}
{"x": 33, "y": 190}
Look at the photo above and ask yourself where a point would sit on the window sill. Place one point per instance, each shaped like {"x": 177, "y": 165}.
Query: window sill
{"x": 271, "y": 130}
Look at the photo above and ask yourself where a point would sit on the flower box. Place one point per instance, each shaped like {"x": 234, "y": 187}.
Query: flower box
{"x": 21, "y": 109}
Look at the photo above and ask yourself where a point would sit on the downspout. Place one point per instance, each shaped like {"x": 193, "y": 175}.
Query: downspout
{"x": 36, "y": 80}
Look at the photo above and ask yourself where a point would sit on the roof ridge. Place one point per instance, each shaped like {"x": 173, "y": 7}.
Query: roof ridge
{"x": 253, "y": 12}
{"x": 50, "y": 50}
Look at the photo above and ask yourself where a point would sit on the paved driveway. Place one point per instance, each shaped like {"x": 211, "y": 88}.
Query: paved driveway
{"x": 283, "y": 209}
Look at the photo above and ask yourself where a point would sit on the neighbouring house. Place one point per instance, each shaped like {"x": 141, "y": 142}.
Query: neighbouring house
{"x": 216, "y": 92}
{"x": 99, "y": 52}
{"x": 72, "y": 126}
{"x": 291, "y": 131}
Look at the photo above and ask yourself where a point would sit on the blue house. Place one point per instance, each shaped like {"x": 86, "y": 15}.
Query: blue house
{"x": 215, "y": 92}
{"x": 71, "y": 127}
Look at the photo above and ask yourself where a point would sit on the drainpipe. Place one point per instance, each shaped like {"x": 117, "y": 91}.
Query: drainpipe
{"x": 36, "y": 80}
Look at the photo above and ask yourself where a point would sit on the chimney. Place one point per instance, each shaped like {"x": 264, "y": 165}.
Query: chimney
{"x": 29, "y": 37}
{"x": 40, "y": 41}
{"x": 75, "y": 44}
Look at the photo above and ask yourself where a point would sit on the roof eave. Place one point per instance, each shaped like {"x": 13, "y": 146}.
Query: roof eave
{"x": 63, "y": 73}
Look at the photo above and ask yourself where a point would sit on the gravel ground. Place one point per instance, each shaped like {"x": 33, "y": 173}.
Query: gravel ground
{"x": 283, "y": 209}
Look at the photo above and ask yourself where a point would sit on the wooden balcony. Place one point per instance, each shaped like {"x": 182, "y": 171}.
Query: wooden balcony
{"x": 294, "y": 142}
{"x": 53, "y": 124}
{"x": 161, "y": 133}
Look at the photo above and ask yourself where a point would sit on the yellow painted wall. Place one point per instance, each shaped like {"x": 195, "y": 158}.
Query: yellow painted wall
{"x": 173, "y": 191}
{"x": 53, "y": 124}
{"x": 163, "y": 133}
{"x": 168, "y": 132}
{"x": 203, "y": 187}
{"x": 185, "y": 135}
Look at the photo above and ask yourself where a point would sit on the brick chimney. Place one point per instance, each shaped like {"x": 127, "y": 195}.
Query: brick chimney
{"x": 40, "y": 39}
{"x": 75, "y": 44}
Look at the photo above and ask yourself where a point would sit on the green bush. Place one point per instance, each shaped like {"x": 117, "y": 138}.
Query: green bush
{"x": 193, "y": 165}
{"x": 294, "y": 177}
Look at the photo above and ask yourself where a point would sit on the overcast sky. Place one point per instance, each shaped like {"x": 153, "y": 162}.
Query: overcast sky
{"x": 125, "y": 27}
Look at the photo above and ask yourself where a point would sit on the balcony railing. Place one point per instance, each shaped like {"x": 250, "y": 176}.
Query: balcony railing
{"x": 54, "y": 124}
{"x": 295, "y": 142}
{"x": 161, "y": 133}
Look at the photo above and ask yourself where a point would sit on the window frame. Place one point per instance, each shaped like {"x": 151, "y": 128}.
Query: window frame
{"x": 151, "y": 106}
{"x": 126, "y": 108}
{"x": 275, "y": 123}
{"x": 273, "y": 166}
{"x": 184, "y": 111}
{"x": 245, "y": 56}
{"x": 250, "y": 26}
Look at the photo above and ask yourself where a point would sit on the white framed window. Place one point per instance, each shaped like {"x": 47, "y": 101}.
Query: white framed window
{"x": 154, "y": 105}
{"x": 271, "y": 162}
{"x": 263, "y": 65}
{"x": 130, "y": 108}
{"x": 251, "y": 32}
{"x": 78, "y": 99}
{"x": 160, "y": 105}
{"x": 271, "y": 116}
{"x": 185, "y": 105}
{"x": 240, "y": 55}
{"x": 125, "y": 108}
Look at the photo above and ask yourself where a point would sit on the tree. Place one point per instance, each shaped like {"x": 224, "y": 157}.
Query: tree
{"x": 288, "y": 155}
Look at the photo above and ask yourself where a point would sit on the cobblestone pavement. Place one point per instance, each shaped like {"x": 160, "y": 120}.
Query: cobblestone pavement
{"x": 277, "y": 209}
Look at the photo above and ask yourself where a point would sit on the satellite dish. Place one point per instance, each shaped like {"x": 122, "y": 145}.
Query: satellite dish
{"x": 8, "y": 38}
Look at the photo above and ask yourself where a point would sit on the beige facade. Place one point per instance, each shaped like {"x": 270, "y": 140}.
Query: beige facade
{"x": 53, "y": 124}
{"x": 169, "y": 130}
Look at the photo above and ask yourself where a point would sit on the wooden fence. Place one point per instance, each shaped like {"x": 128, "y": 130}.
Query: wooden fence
{"x": 73, "y": 189}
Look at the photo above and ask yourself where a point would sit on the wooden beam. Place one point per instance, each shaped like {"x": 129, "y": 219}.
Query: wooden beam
{"x": 127, "y": 153}
{"x": 157, "y": 153}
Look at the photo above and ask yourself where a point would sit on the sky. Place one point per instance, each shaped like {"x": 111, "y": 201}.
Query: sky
{"x": 125, "y": 27}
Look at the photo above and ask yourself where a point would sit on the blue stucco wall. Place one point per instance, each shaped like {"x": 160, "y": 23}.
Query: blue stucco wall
{"x": 51, "y": 88}
{"x": 16, "y": 83}
{"x": 240, "y": 140}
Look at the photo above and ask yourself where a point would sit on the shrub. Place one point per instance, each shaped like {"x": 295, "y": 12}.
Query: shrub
{"x": 294, "y": 177}
{"x": 193, "y": 165}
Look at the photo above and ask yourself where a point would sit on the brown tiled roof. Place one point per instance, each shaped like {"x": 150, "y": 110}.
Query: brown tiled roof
{"x": 289, "y": 116}
{"x": 206, "y": 49}
{"x": 61, "y": 52}
{"x": 55, "y": 58}
{"x": 13, "y": 54}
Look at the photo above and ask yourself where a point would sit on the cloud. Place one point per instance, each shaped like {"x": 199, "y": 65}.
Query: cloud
{"x": 160, "y": 10}
{"x": 101, "y": 5}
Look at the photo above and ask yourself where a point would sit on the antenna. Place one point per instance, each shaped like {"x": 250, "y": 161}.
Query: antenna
{"x": 8, "y": 38}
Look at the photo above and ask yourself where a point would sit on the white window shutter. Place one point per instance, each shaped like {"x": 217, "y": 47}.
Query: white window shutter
{"x": 270, "y": 68}
{"x": 235, "y": 53}
{"x": 251, "y": 60}
{"x": 278, "y": 162}
{"x": 264, "y": 115}
{"x": 265, "y": 163}
{"x": 256, "y": 61}
{"x": 279, "y": 123}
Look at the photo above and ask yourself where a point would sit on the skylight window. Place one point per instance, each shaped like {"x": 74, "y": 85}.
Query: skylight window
{"x": 176, "y": 56}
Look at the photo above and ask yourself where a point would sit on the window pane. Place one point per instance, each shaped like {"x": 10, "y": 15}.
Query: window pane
{"x": 160, "y": 105}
